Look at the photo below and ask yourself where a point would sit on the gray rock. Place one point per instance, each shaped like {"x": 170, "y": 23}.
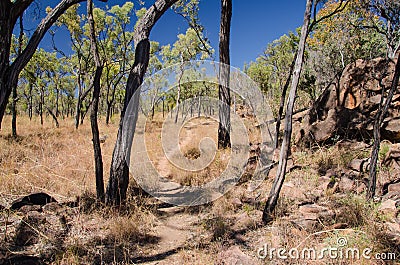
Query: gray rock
{"x": 346, "y": 185}
{"x": 394, "y": 187}
{"x": 234, "y": 256}
{"x": 26, "y": 232}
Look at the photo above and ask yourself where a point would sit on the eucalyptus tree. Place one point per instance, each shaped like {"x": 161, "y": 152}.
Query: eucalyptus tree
{"x": 119, "y": 171}
{"x": 272, "y": 67}
{"x": 280, "y": 175}
{"x": 18, "y": 46}
{"x": 81, "y": 58}
{"x": 342, "y": 39}
{"x": 95, "y": 103}
{"x": 189, "y": 46}
{"x": 40, "y": 82}
{"x": 308, "y": 26}
{"x": 387, "y": 24}
{"x": 10, "y": 11}
{"x": 115, "y": 49}
{"x": 273, "y": 71}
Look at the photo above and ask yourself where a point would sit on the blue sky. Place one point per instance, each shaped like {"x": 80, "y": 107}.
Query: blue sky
{"x": 255, "y": 23}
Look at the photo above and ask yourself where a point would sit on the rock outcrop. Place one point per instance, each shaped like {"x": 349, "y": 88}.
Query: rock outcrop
{"x": 347, "y": 109}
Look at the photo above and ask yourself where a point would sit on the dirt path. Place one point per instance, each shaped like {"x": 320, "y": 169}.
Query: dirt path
{"x": 175, "y": 227}
{"x": 164, "y": 166}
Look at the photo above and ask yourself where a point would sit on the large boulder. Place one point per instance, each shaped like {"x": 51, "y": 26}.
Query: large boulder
{"x": 347, "y": 108}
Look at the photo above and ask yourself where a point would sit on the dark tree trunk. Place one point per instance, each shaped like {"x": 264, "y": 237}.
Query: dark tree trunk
{"x": 119, "y": 171}
{"x": 79, "y": 113}
{"x": 280, "y": 175}
{"x": 85, "y": 111}
{"x": 14, "y": 89}
{"x": 30, "y": 101}
{"x": 53, "y": 116}
{"x": 111, "y": 102}
{"x": 41, "y": 106}
{"x": 108, "y": 112}
{"x": 6, "y": 27}
{"x": 57, "y": 101}
{"x": 78, "y": 103}
{"x": 95, "y": 106}
{"x": 224, "y": 128}
{"x": 14, "y": 111}
{"x": 380, "y": 116}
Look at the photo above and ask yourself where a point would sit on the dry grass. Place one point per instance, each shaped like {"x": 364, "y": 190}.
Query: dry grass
{"x": 58, "y": 161}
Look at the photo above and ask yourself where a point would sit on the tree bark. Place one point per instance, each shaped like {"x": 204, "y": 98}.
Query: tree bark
{"x": 119, "y": 171}
{"x": 57, "y": 100}
{"x": 30, "y": 101}
{"x": 108, "y": 112}
{"x": 95, "y": 105}
{"x": 282, "y": 104}
{"x": 14, "y": 88}
{"x": 280, "y": 175}
{"x": 380, "y": 116}
{"x": 41, "y": 105}
{"x": 224, "y": 127}
{"x": 6, "y": 27}
{"x": 53, "y": 116}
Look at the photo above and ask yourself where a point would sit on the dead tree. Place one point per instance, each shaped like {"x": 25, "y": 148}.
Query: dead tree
{"x": 282, "y": 104}
{"x": 340, "y": 7}
{"x": 280, "y": 175}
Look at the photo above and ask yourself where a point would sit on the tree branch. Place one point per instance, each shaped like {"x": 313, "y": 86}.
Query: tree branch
{"x": 21, "y": 61}
{"x": 197, "y": 30}
{"x": 18, "y": 7}
{"x": 338, "y": 9}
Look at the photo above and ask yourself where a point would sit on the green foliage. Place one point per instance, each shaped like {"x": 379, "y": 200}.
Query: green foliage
{"x": 386, "y": 21}
{"x": 383, "y": 150}
{"x": 187, "y": 47}
{"x": 271, "y": 69}
{"x": 334, "y": 43}
{"x": 342, "y": 39}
